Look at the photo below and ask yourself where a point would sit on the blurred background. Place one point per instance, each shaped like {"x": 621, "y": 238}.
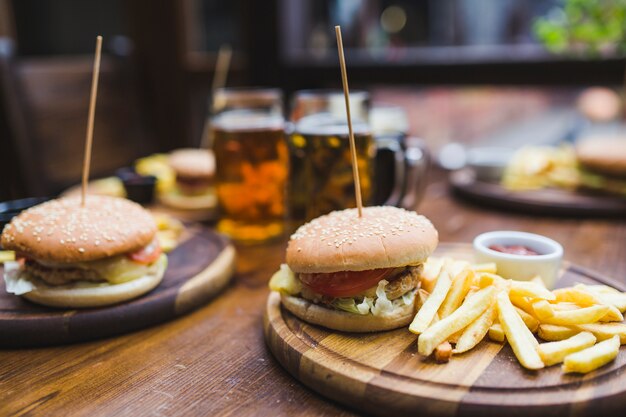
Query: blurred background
{"x": 460, "y": 68}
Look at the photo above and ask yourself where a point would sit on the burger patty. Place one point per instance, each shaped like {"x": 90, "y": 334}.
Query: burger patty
{"x": 60, "y": 276}
{"x": 406, "y": 280}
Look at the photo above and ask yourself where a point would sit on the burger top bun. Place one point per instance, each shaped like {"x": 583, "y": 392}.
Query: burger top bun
{"x": 64, "y": 231}
{"x": 384, "y": 237}
{"x": 193, "y": 162}
{"x": 603, "y": 154}
{"x": 599, "y": 104}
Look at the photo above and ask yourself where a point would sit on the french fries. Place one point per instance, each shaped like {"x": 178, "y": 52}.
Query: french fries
{"x": 530, "y": 322}
{"x": 517, "y": 334}
{"x": 443, "y": 352}
{"x": 477, "y": 330}
{"x": 579, "y": 316}
{"x": 542, "y": 309}
{"x": 554, "y": 352}
{"x": 593, "y": 357}
{"x": 489, "y": 267}
{"x": 428, "y": 311}
{"x": 464, "y": 315}
{"x": 496, "y": 333}
{"x": 430, "y": 273}
{"x": 603, "y": 331}
{"x": 459, "y": 289}
{"x": 461, "y": 304}
{"x": 553, "y": 333}
{"x": 531, "y": 289}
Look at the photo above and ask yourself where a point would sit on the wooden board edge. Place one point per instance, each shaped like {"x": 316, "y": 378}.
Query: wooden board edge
{"x": 207, "y": 283}
{"x": 332, "y": 381}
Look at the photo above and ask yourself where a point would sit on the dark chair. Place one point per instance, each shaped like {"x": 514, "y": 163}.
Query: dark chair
{"x": 43, "y": 117}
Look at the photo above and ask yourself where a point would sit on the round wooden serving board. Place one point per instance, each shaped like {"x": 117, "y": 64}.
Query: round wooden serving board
{"x": 198, "y": 268}
{"x": 382, "y": 373}
{"x": 551, "y": 201}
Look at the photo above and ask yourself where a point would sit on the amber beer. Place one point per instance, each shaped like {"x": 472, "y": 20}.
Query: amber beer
{"x": 321, "y": 171}
{"x": 252, "y": 167}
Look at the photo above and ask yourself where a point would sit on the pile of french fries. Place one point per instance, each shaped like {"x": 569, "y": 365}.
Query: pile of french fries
{"x": 461, "y": 303}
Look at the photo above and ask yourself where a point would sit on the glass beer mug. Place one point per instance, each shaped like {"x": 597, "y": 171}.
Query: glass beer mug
{"x": 252, "y": 163}
{"x": 320, "y": 179}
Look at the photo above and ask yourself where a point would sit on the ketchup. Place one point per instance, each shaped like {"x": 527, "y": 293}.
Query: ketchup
{"x": 514, "y": 250}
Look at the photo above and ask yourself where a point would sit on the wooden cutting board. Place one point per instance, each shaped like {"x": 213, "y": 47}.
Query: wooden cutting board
{"x": 200, "y": 266}
{"x": 383, "y": 374}
{"x": 552, "y": 201}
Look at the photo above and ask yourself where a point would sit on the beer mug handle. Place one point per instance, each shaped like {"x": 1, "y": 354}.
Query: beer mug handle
{"x": 397, "y": 193}
{"x": 417, "y": 161}
{"x": 411, "y": 167}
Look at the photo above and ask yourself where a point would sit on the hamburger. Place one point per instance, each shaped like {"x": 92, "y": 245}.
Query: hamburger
{"x": 602, "y": 162}
{"x": 70, "y": 255}
{"x": 194, "y": 170}
{"x": 356, "y": 274}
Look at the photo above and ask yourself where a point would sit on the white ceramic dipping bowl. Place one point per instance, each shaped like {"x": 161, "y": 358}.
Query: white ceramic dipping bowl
{"x": 521, "y": 267}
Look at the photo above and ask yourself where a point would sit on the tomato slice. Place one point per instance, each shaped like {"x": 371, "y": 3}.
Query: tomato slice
{"x": 146, "y": 255}
{"x": 344, "y": 283}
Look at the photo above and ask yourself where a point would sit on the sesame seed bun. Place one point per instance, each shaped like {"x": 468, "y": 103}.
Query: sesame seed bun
{"x": 193, "y": 163}
{"x": 385, "y": 237}
{"x": 347, "y": 322}
{"x": 603, "y": 154}
{"x": 63, "y": 231}
{"x": 96, "y": 294}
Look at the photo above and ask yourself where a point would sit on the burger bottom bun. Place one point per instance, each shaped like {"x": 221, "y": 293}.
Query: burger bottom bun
{"x": 96, "y": 295}
{"x": 176, "y": 200}
{"x": 344, "y": 321}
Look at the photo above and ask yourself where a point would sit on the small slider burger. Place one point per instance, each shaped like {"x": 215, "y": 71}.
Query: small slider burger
{"x": 194, "y": 170}
{"x": 356, "y": 274}
{"x": 603, "y": 163}
{"x": 70, "y": 255}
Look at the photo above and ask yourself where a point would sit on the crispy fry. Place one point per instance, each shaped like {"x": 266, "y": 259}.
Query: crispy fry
{"x": 477, "y": 330}
{"x": 425, "y": 315}
{"x": 603, "y": 331}
{"x": 522, "y": 303}
{"x": 463, "y": 316}
{"x": 583, "y": 297}
{"x": 593, "y": 357}
{"x": 530, "y": 322}
{"x": 443, "y": 352}
{"x": 581, "y": 316}
{"x": 565, "y": 306}
{"x": 539, "y": 281}
{"x": 614, "y": 298}
{"x": 460, "y": 286}
{"x": 430, "y": 273}
{"x": 530, "y": 289}
{"x": 455, "y": 267}
{"x": 422, "y": 296}
{"x": 489, "y": 267}
{"x": 517, "y": 334}
{"x": 543, "y": 309}
{"x": 485, "y": 279}
{"x": 554, "y": 352}
{"x": 496, "y": 333}
{"x": 553, "y": 333}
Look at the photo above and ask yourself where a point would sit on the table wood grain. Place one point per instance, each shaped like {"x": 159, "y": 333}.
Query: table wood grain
{"x": 215, "y": 361}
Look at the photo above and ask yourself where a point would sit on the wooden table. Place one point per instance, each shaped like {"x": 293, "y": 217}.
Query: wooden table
{"x": 214, "y": 361}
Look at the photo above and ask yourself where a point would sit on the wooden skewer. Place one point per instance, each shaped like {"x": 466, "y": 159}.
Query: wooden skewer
{"x": 219, "y": 81}
{"x": 92, "y": 112}
{"x": 346, "y": 93}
